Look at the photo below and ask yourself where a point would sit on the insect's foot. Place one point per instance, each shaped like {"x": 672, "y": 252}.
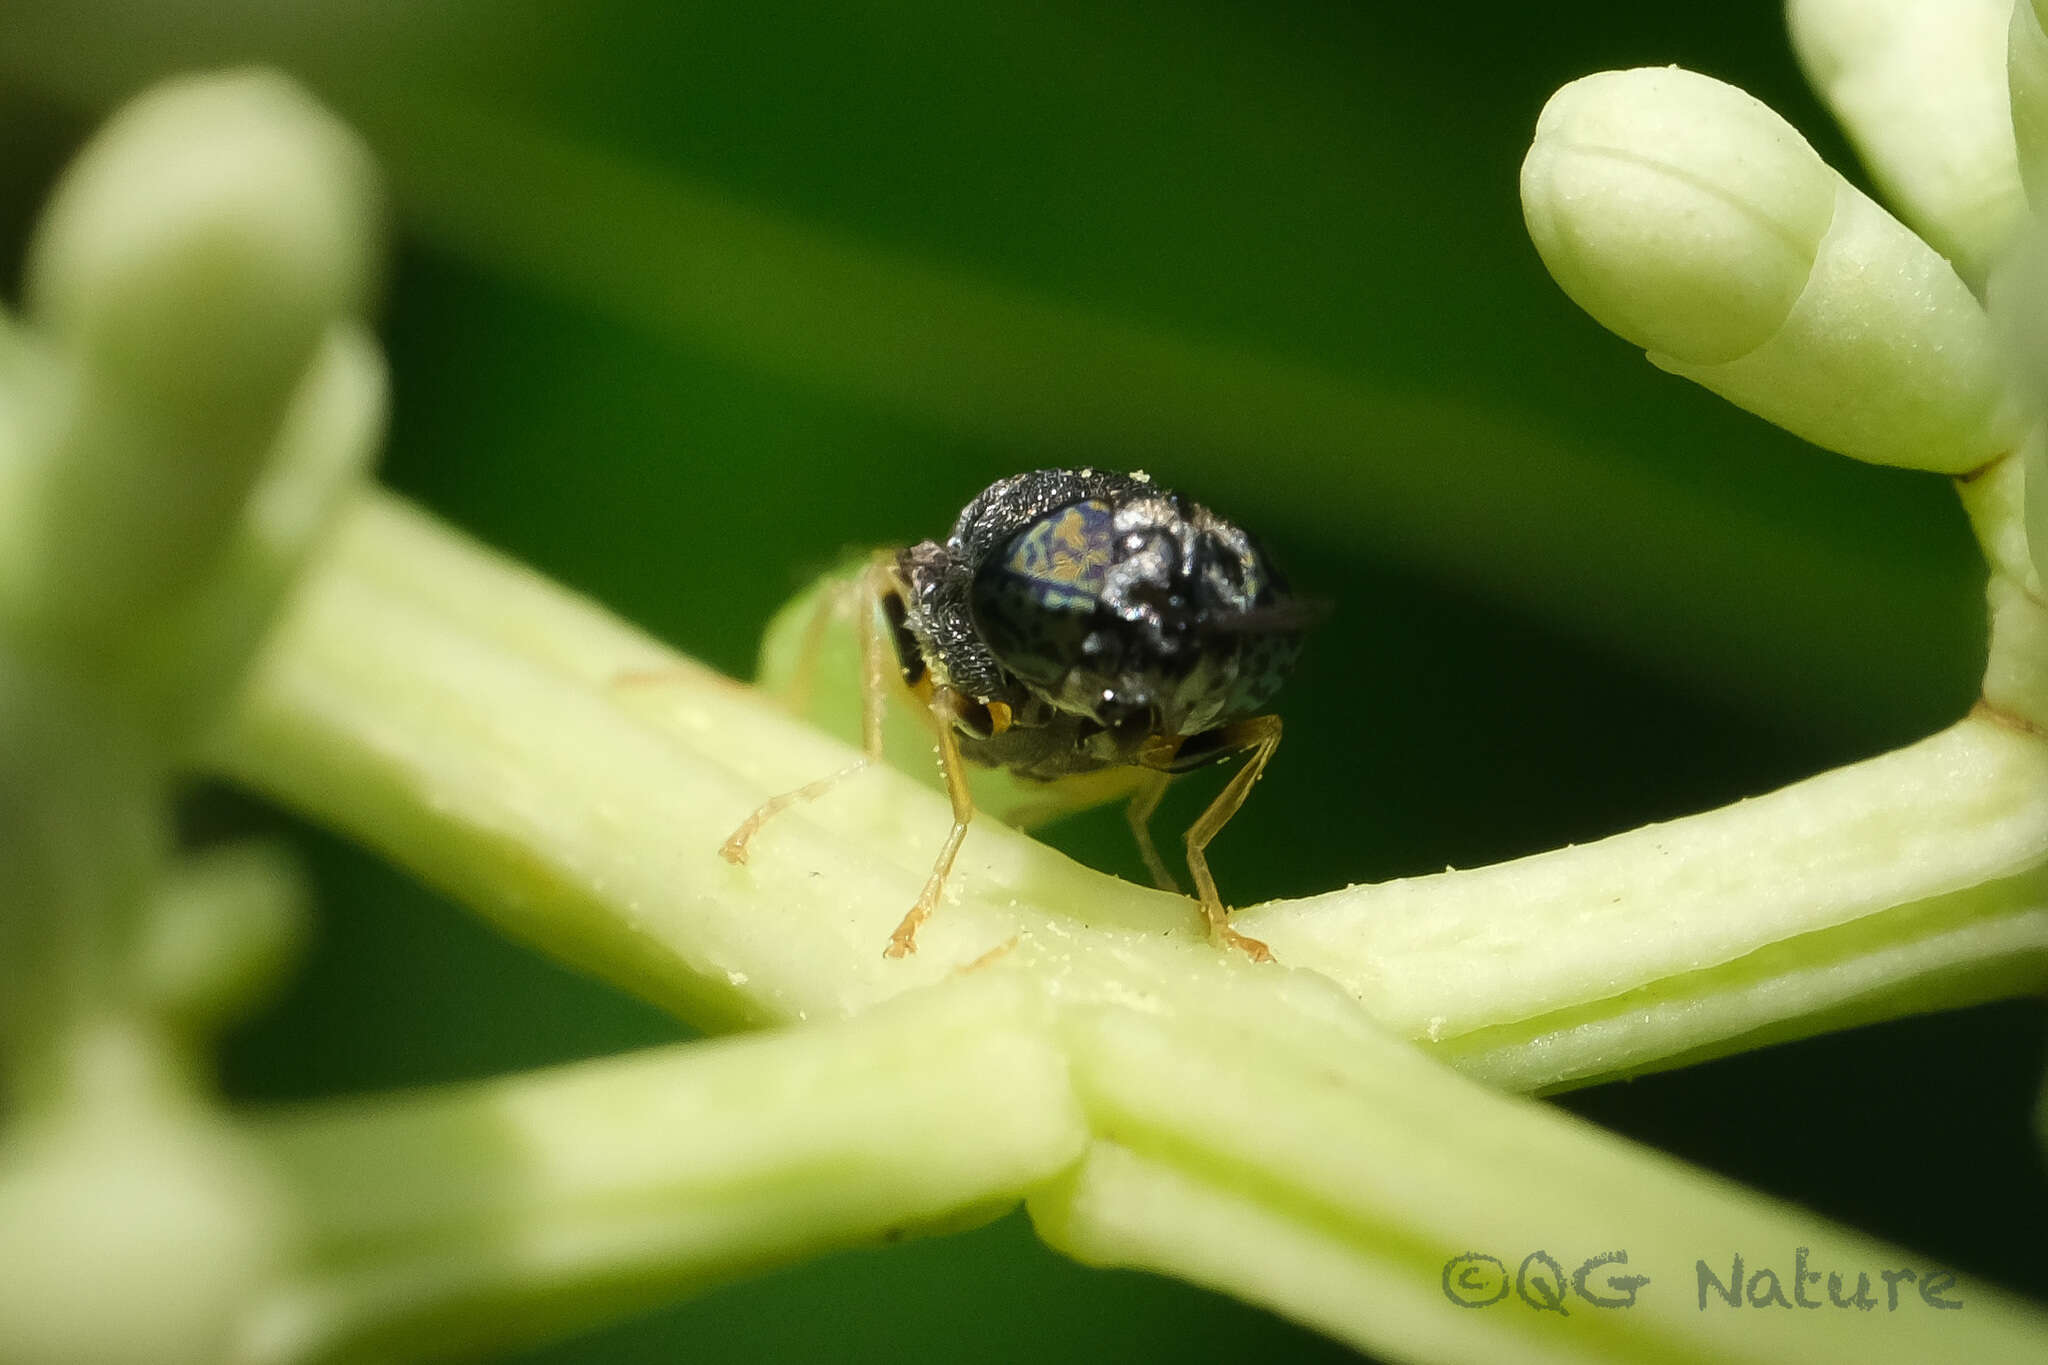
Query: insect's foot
{"x": 1221, "y": 933}
{"x": 1244, "y": 943}
{"x": 734, "y": 849}
{"x": 903, "y": 942}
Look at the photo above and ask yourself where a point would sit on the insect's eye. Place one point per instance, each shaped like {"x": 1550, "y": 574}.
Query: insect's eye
{"x": 1232, "y": 572}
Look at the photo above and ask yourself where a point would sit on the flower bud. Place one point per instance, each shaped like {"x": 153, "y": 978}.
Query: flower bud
{"x": 218, "y": 933}
{"x": 202, "y": 242}
{"x": 189, "y": 264}
{"x": 1680, "y": 212}
{"x": 2026, "y": 74}
{"x": 1920, "y": 87}
{"x": 1689, "y": 218}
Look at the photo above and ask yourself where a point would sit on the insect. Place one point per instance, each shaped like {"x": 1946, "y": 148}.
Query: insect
{"x": 1076, "y": 620}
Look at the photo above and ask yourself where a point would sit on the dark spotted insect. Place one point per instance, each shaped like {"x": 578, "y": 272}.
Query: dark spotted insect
{"x": 1076, "y": 620}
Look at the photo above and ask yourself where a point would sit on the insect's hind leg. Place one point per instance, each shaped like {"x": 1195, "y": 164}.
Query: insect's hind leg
{"x": 1260, "y": 735}
{"x": 904, "y": 941}
{"x": 875, "y": 580}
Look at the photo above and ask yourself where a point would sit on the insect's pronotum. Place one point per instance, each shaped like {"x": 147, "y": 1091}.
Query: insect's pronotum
{"x": 1075, "y": 620}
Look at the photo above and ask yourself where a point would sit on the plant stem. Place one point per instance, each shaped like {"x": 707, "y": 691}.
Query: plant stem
{"x": 570, "y": 779}
{"x": 473, "y": 1216}
{"x": 1247, "y": 1129}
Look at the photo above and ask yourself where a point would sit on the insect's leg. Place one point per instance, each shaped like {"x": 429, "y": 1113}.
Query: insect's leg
{"x": 904, "y": 940}
{"x": 1261, "y": 736}
{"x": 734, "y": 849}
{"x": 1144, "y": 802}
{"x": 873, "y": 581}
{"x": 877, "y": 582}
{"x": 832, "y": 600}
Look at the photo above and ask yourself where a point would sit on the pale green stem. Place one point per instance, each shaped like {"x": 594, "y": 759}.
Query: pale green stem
{"x": 1250, "y": 1130}
{"x": 572, "y": 780}
{"x": 80, "y": 841}
{"x": 136, "y": 1223}
{"x": 1594, "y": 960}
{"x": 1333, "y": 1175}
{"x": 483, "y": 1215}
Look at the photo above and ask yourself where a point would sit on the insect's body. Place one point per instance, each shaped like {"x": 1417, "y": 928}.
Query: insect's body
{"x": 1076, "y": 620}
{"x": 1092, "y": 620}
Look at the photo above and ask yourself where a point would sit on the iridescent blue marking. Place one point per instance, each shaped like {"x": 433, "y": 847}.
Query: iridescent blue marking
{"x": 1066, "y": 556}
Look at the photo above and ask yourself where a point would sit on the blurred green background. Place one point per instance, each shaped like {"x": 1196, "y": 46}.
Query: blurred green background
{"x": 688, "y": 299}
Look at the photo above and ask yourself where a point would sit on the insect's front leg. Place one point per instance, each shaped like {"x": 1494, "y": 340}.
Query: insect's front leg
{"x": 874, "y": 581}
{"x": 904, "y": 941}
{"x": 1260, "y": 736}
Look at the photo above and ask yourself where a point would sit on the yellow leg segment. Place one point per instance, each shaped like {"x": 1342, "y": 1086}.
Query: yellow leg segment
{"x": 1139, "y": 813}
{"x": 874, "y": 580}
{"x": 1260, "y": 735}
{"x": 904, "y": 941}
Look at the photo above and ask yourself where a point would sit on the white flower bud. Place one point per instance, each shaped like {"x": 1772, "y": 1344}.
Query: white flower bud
{"x": 219, "y": 930}
{"x": 205, "y": 238}
{"x": 1920, "y": 87}
{"x": 1689, "y": 218}
{"x": 1680, "y": 212}
{"x": 190, "y": 262}
{"x": 2026, "y": 74}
